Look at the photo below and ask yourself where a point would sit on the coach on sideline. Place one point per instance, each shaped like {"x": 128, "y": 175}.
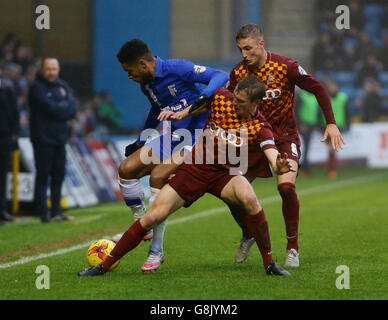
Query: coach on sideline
{"x": 52, "y": 104}
{"x": 9, "y": 130}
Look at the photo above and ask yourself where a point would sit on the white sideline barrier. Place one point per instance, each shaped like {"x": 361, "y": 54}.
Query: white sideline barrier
{"x": 363, "y": 140}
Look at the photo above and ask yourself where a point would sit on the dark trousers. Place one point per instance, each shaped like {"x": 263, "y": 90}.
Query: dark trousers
{"x": 5, "y": 160}
{"x": 306, "y": 134}
{"x": 50, "y": 163}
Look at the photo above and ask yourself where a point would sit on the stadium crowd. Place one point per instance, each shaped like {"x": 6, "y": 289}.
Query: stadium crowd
{"x": 97, "y": 116}
{"x": 356, "y": 58}
{"x": 353, "y": 65}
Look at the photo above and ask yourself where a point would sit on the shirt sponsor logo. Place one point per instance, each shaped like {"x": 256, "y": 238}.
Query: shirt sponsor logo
{"x": 227, "y": 136}
{"x": 272, "y": 94}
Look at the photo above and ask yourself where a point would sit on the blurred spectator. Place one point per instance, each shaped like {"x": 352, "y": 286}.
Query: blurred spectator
{"x": 52, "y": 104}
{"x": 97, "y": 118}
{"x": 8, "y": 48}
{"x": 307, "y": 119}
{"x": 339, "y": 102}
{"x": 107, "y": 113}
{"x": 371, "y": 101}
{"x": 23, "y": 57}
{"x": 9, "y": 127}
{"x": 365, "y": 47}
{"x": 370, "y": 68}
{"x": 349, "y": 58}
{"x": 86, "y": 123}
{"x": 357, "y": 17}
{"x": 384, "y": 50}
{"x": 323, "y": 53}
{"x": 362, "y": 49}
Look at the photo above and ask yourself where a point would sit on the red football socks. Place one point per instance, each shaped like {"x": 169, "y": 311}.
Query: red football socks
{"x": 258, "y": 226}
{"x": 130, "y": 239}
{"x": 238, "y": 216}
{"x": 290, "y": 209}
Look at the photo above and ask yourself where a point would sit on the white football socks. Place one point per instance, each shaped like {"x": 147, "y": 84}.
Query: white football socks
{"x": 158, "y": 237}
{"x": 133, "y": 194}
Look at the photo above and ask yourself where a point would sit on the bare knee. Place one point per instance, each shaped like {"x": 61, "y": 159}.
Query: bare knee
{"x": 250, "y": 202}
{"x": 151, "y": 219}
{"x": 129, "y": 169}
{"x": 159, "y": 177}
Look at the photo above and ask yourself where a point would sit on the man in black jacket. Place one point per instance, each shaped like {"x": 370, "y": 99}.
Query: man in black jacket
{"x": 52, "y": 105}
{"x": 9, "y": 128}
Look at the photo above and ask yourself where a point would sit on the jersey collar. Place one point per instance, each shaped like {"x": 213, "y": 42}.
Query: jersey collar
{"x": 266, "y": 61}
{"x": 158, "y": 68}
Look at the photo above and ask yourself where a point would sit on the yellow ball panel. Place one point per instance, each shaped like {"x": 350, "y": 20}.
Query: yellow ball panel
{"x": 98, "y": 251}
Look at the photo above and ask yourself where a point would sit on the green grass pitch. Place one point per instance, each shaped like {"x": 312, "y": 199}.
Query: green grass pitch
{"x": 342, "y": 222}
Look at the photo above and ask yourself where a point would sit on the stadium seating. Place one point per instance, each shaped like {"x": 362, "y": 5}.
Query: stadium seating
{"x": 374, "y": 14}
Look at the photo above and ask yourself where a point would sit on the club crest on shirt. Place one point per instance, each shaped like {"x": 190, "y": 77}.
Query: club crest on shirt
{"x": 270, "y": 78}
{"x": 172, "y": 89}
{"x": 199, "y": 69}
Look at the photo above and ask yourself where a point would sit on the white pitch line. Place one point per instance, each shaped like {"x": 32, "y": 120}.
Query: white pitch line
{"x": 24, "y": 260}
{"x": 206, "y": 213}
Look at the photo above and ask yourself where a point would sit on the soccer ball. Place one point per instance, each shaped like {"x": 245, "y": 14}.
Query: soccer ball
{"x": 98, "y": 251}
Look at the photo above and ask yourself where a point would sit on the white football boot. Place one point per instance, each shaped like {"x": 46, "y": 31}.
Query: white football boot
{"x": 153, "y": 261}
{"x": 244, "y": 249}
{"x": 292, "y": 258}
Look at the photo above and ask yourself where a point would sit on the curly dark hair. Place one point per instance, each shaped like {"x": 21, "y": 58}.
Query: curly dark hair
{"x": 134, "y": 50}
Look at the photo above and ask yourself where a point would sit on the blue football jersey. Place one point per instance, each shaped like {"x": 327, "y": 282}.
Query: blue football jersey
{"x": 175, "y": 86}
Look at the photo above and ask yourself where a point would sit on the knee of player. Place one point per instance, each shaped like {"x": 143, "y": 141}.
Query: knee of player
{"x": 250, "y": 202}
{"x": 151, "y": 219}
{"x": 127, "y": 170}
{"x": 286, "y": 189}
{"x": 158, "y": 178}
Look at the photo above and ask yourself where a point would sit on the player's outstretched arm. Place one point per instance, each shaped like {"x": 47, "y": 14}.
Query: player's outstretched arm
{"x": 198, "y": 107}
{"x": 280, "y": 164}
{"x": 332, "y": 132}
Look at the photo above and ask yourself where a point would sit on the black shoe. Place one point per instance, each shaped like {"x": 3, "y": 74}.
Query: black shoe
{"x": 92, "y": 271}
{"x": 45, "y": 218}
{"x": 5, "y": 216}
{"x": 62, "y": 217}
{"x": 274, "y": 269}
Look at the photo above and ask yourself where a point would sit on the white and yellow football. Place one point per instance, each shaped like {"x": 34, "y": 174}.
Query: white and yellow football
{"x": 98, "y": 251}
